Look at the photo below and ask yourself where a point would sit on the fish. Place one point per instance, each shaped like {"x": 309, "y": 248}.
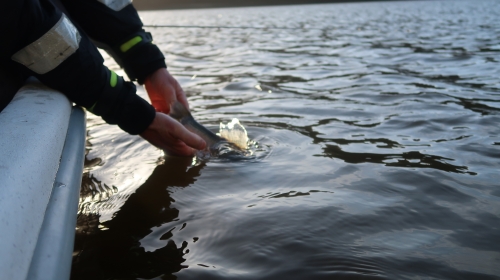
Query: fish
{"x": 179, "y": 112}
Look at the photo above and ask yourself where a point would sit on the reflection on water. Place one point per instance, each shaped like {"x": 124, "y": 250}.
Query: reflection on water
{"x": 374, "y": 150}
{"x": 112, "y": 249}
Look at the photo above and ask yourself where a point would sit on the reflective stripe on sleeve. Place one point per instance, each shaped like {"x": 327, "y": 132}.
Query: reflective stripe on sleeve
{"x": 116, "y": 5}
{"x": 130, "y": 43}
{"x": 114, "y": 79}
{"x": 51, "y": 49}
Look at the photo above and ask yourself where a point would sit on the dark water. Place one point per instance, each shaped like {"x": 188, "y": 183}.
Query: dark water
{"x": 377, "y": 150}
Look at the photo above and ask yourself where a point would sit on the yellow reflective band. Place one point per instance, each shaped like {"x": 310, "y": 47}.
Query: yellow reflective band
{"x": 114, "y": 79}
{"x": 130, "y": 43}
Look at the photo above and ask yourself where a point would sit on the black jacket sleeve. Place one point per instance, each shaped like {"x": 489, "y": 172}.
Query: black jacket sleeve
{"x": 81, "y": 75}
{"x": 120, "y": 33}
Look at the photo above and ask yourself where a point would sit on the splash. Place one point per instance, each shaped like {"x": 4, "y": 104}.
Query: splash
{"x": 237, "y": 147}
{"x": 235, "y": 133}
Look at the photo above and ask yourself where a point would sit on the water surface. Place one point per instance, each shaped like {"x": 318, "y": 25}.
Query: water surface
{"x": 377, "y": 150}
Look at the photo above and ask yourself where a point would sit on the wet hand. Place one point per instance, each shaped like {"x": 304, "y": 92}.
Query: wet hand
{"x": 163, "y": 90}
{"x": 170, "y": 135}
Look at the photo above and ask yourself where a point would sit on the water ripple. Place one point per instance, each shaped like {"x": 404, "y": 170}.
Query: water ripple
{"x": 375, "y": 150}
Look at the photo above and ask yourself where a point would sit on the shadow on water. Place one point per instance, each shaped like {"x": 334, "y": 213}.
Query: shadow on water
{"x": 413, "y": 159}
{"x": 111, "y": 250}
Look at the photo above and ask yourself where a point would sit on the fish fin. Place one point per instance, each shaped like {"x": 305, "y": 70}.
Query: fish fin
{"x": 179, "y": 111}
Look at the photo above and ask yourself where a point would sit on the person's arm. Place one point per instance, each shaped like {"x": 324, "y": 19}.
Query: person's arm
{"x": 116, "y": 27}
{"x": 48, "y": 46}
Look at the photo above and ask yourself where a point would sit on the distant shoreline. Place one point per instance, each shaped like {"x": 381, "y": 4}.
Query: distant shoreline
{"x": 145, "y": 5}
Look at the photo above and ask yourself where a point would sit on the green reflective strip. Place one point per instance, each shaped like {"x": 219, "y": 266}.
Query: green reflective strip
{"x": 114, "y": 79}
{"x": 130, "y": 43}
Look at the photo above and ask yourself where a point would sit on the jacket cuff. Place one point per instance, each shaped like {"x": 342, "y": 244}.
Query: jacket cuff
{"x": 139, "y": 56}
{"x": 119, "y": 104}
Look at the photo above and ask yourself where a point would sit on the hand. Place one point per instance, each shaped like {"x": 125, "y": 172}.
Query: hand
{"x": 170, "y": 135}
{"x": 163, "y": 90}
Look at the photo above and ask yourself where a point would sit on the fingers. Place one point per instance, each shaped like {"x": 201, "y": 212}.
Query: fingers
{"x": 163, "y": 90}
{"x": 172, "y": 91}
{"x": 192, "y": 140}
{"x": 181, "y": 96}
{"x": 178, "y": 132}
{"x": 171, "y": 136}
{"x": 168, "y": 93}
